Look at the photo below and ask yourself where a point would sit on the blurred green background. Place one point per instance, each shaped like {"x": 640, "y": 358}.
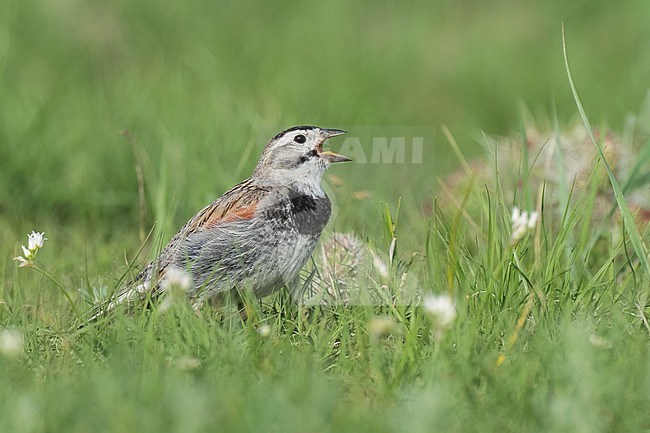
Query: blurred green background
{"x": 191, "y": 91}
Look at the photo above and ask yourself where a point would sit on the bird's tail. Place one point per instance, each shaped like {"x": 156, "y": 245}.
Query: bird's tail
{"x": 138, "y": 289}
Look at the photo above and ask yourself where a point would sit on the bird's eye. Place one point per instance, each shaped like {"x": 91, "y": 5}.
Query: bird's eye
{"x": 300, "y": 138}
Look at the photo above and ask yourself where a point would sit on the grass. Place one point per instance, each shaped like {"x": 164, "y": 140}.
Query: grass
{"x": 578, "y": 362}
{"x": 123, "y": 118}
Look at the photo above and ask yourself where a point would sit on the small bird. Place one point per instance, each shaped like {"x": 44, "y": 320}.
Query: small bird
{"x": 259, "y": 234}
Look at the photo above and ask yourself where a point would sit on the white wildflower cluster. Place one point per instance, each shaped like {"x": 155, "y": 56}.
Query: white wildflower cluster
{"x": 34, "y": 243}
{"x": 522, "y": 223}
{"x": 442, "y": 311}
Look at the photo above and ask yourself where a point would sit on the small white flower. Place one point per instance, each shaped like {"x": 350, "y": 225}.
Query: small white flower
{"x": 516, "y": 214}
{"x": 442, "y": 310}
{"x": 175, "y": 284}
{"x": 34, "y": 243}
{"x": 532, "y": 220}
{"x": 176, "y": 279}
{"x": 522, "y": 223}
{"x": 11, "y": 342}
{"x": 264, "y": 330}
{"x": 23, "y": 262}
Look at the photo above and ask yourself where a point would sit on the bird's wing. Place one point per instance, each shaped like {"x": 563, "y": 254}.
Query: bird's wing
{"x": 238, "y": 203}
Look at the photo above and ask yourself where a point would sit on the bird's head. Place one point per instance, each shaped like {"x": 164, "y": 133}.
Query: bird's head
{"x": 296, "y": 155}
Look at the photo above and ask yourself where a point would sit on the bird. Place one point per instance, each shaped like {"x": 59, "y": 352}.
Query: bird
{"x": 258, "y": 235}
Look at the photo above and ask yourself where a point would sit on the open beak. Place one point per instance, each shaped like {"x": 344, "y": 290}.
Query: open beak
{"x": 327, "y": 155}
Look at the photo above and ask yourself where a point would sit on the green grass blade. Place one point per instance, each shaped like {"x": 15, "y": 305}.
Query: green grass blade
{"x": 628, "y": 219}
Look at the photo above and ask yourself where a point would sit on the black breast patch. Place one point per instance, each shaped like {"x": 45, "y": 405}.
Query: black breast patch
{"x": 305, "y": 213}
{"x": 303, "y": 203}
{"x": 310, "y": 214}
